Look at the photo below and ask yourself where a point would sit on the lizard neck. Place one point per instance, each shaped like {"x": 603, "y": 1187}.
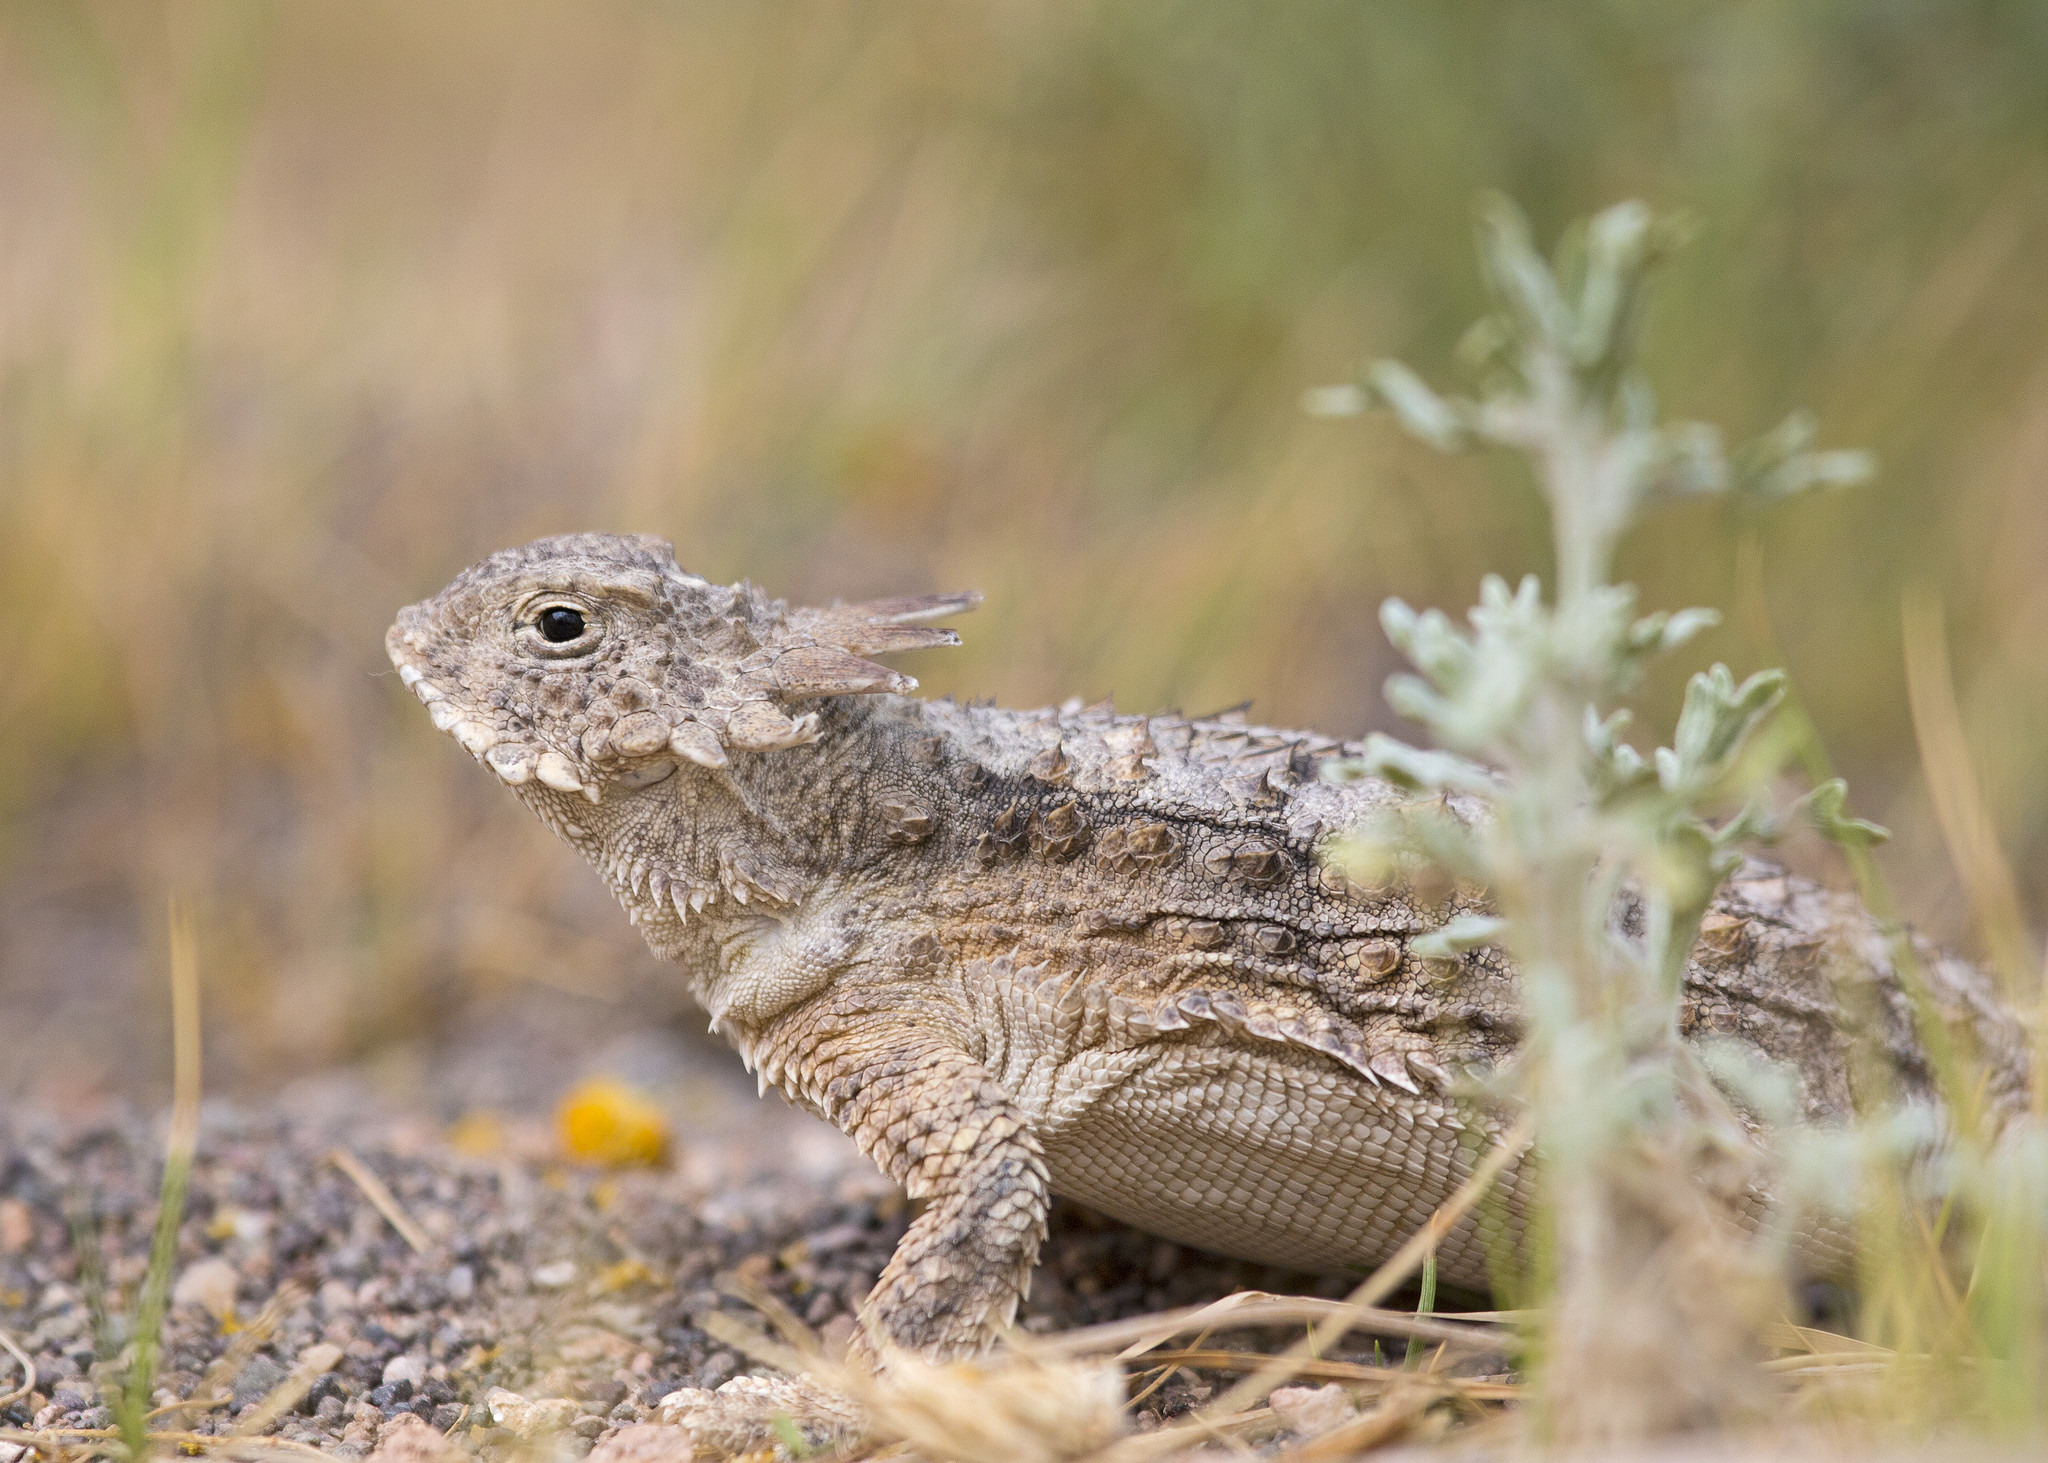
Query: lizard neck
{"x": 707, "y": 861}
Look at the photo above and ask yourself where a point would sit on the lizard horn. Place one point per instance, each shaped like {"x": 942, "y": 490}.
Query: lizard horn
{"x": 882, "y": 625}
{"x": 819, "y": 652}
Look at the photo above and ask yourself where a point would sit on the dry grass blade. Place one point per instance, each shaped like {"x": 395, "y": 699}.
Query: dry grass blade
{"x": 1957, "y": 795}
{"x": 1966, "y": 826}
{"x": 1239, "y": 1401}
{"x": 780, "y": 1316}
{"x": 314, "y": 1364}
{"x": 1787, "y": 1337}
{"x": 1383, "y": 1281}
{"x": 381, "y": 1198}
{"x": 1137, "y": 1335}
{"x": 1323, "y": 1370}
{"x": 53, "y": 1441}
{"x": 1874, "y": 1360}
{"x": 245, "y": 1343}
{"x": 1006, "y": 1408}
{"x": 752, "y": 1344}
{"x": 28, "y": 1371}
{"x": 1014, "y": 1408}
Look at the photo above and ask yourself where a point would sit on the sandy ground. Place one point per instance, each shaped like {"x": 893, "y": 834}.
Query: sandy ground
{"x": 534, "y": 1274}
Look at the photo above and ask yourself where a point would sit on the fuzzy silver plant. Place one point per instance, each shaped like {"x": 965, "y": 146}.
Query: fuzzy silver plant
{"x": 1599, "y": 862}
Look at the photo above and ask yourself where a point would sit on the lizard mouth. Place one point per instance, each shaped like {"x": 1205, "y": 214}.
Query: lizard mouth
{"x": 513, "y": 759}
{"x": 635, "y": 751}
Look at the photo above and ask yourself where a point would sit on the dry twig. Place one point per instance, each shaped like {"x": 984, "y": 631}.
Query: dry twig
{"x": 28, "y": 1371}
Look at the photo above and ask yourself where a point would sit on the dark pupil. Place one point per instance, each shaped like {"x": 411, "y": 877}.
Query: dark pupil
{"x": 559, "y": 625}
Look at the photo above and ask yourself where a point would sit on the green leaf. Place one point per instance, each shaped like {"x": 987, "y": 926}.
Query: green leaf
{"x": 1466, "y": 932}
{"x": 1789, "y": 438}
{"x": 1425, "y": 1305}
{"x": 1485, "y": 343}
{"x": 1717, "y": 716}
{"x": 1615, "y": 244}
{"x": 1753, "y": 825}
{"x": 1420, "y": 770}
{"x": 1779, "y": 464}
{"x": 1691, "y": 461}
{"x": 1335, "y": 401}
{"x": 1412, "y": 697}
{"x": 1656, "y": 633}
{"x": 790, "y": 1436}
{"x": 1826, "y": 809}
{"x": 1518, "y": 273}
{"x": 1411, "y": 837}
{"x": 1771, "y": 1089}
{"x": 1429, "y": 639}
{"x": 1603, "y": 736}
{"x": 1435, "y": 420}
{"x": 1838, "y": 469}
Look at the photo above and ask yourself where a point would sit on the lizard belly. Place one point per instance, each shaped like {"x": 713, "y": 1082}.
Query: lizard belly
{"x": 1271, "y": 1157}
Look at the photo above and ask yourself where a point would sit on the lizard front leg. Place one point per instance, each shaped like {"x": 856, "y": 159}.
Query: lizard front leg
{"x": 941, "y": 1126}
{"x": 929, "y": 1115}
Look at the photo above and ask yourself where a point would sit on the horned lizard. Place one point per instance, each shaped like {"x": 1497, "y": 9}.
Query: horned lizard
{"x": 1066, "y": 951}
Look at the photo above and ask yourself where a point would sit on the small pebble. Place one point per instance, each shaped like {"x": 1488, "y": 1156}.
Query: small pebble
{"x": 209, "y": 1284}
{"x": 257, "y": 1380}
{"x": 1312, "y": 1411}
{"x": 17, "y": 1233}
{"x": 556, "y": 1275}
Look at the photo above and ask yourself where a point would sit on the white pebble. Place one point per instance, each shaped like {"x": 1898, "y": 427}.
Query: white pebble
{"x": 529, "y": 1417}
{"x": 209, "y": 1283}
{"x": 1312, "y": 1411}
{"x": 556, "y": 1275}
{"x": 406, "y": 1368}
{"x": 319, "y": 1358}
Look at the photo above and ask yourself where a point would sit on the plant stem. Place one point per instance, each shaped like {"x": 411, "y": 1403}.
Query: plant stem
{"x": 179, "y": 1147}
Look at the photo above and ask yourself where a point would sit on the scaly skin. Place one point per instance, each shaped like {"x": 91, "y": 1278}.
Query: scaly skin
{"x": 1017, "y": 954}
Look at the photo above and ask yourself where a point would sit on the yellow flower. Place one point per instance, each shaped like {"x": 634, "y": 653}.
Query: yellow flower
{"x": 605, "y": 1121}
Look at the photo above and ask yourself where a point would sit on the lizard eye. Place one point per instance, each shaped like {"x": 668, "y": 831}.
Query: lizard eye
{"x": 555, "y": 630}
{"x": 560, "y": 624}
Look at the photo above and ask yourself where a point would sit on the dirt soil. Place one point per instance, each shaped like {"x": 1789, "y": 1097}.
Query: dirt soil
{"x": 537, "y": 1275}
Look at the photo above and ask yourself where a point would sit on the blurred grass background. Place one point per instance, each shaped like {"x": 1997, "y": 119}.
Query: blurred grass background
{"x": 304, "y": 307}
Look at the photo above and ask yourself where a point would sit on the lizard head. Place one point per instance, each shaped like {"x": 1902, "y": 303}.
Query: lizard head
{"x": 593, "y": 660}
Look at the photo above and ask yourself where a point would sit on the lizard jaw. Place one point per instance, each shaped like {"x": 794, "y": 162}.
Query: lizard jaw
{"x": 515, "y": 762}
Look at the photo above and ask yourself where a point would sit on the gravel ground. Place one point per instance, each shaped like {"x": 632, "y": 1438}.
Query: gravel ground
{"x": 539, "y": 1276}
